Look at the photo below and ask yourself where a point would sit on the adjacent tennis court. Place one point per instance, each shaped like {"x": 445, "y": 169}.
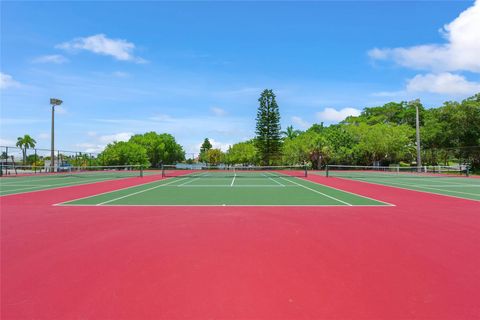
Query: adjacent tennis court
{"x": 447, "y": 181}
{"x": 25, "y": 179}
{"x": 229, "y": 188}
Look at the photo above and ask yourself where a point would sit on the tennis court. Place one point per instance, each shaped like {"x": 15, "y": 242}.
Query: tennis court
{"x": 265, "y": 187}
{"x": 447, "y": 181}
{"x": 23, "y": 179}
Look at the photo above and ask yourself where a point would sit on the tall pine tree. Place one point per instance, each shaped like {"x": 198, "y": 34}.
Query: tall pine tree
{"x": 268, "y": 137}
{"x": 206, "y": 145}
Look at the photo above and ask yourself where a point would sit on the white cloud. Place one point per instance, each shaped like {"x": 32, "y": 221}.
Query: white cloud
{"x": 60, "y": 110}
{"x": 219, "y": 112}
{"x": 44, "y": 136}
{"x": 378, "y": 54}
{"x": 53, "y": 58}
{"x": 216, "y": 145}
{"x": 118, "y": 48}
{"x": 459, "y": 53}
{"x": 186, "y": 128}
{"x": 7, "y": 81}
{"x": 6, "y": 142}
{"x": 300, "y": 122}
{"x": 333, "y": 115}
{"x": 90, "y": 147}
{"x": 122, "y": 136}
{"x": 98, "y": 143}
{"x": 443, "y": 83}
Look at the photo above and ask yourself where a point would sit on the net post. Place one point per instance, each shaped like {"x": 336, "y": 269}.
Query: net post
{"x": 326, "y": 170}
{"x": 163, "y": 170}
{"x": 305, "y": 168}
{"x": 141, "y": 171}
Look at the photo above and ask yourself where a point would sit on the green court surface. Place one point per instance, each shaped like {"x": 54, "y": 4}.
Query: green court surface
{"x": 460, "y": 187}
{"x": 196, "y": 190}
{"x": 37, "y": 182}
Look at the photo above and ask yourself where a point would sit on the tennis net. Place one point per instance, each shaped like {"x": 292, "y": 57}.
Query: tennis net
{"x": 364, "y": 172}
{"x": 233, "y": 171}
{"x": 107, "y": 172}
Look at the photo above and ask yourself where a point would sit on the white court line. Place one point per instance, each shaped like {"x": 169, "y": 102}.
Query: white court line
{"x": 24, "y": 185}
{"x": 451, "y": 185}
{"x": 431, "y": 179}
{"x": 316, "y": 191}
{"x": 57, "y": 178}
{"x": 408, "y": 189}
{"x": 223, "y": 205}
{"x": 54, "y": 185}
{"x": 353, "y": 193}
{"x": 235, "y": 186}
{"x": 138, "y": 192}
{"x": 415, "y": 186}
{"x": 192, "y": 179}
{"x": 112, "y": 191}
{"x": 233, "y": 181}
{"x": 270, "y": 178}
{"x": 19, "y": 189}
{"x": 188, "y": 181}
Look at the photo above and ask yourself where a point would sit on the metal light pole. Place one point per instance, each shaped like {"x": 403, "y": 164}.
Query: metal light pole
{"x": 417, "y": 126}
{"x": 54, "y": 102}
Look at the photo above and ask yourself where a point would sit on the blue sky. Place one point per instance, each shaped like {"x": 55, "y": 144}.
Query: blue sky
{"x": 196, "y": 69}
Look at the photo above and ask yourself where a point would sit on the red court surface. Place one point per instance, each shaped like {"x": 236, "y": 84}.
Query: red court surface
{"x": 417, "y": 260}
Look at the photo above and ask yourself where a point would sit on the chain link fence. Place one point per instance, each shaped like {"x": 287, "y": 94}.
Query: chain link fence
{"x": 41, "y": 158}
{"x": 469, "y": 155}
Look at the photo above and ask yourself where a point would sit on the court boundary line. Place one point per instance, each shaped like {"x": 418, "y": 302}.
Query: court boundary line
{"x": 67, "y": 186}
{"x": 111, "y": 191}
{"x": 316, "y": 191}
{"x": 22, "y": 185}
{"x": 460, "y": 192}
{"x": 188, "y": 181}
{"x": 234, "y": 186}
{"x": 270, "y": 178}
{"x": 66, "y": 204}
{"x": 453, "y": 186}
{"x": 53, "y": 185}
{"x": 138, "y": 192}
{"x": 385, "y": 185}
{"x": 355, "y": 194}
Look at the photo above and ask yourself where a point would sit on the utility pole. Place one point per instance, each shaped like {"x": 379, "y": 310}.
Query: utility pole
{"x": 54, "y": 102}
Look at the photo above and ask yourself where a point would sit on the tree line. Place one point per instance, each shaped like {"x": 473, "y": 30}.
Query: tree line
{"x": 150, "y": 150}
{"x": 383, "y": 135}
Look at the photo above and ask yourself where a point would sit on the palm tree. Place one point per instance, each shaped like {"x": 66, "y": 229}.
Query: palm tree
{"x": 24, "y": 143}
{"x": 290, "y": 133}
